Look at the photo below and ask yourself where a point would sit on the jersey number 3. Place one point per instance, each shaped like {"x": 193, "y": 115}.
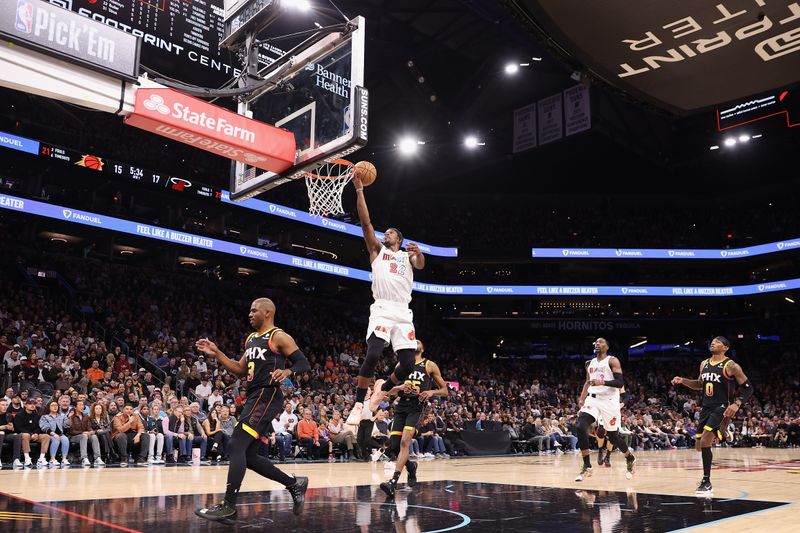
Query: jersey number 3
{"x": 251, "y": 369}
{"x": 709, "y": 389}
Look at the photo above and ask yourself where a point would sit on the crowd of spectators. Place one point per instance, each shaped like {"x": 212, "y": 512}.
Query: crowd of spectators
{"x": 124, "y": 379}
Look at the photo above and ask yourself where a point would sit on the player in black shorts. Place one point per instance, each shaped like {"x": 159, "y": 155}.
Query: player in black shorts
{"x": 718, "y": 378}
{"x": 263, "y": 366}
{"x": 414, "y": 394}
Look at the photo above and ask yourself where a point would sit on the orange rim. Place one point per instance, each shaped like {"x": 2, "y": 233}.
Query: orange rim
{"x": 342, "y": 162}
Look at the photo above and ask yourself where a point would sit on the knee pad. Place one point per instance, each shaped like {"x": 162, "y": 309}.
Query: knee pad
{"x": 375, "y": 346}
{"x": 405, "y": 364}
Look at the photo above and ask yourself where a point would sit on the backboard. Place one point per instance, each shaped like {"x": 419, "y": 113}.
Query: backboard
{"x": 319, "y": 96}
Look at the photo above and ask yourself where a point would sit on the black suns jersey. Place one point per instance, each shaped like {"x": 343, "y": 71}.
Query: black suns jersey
{"x": 420, "y": 381}
{"x": 262, "y": 360}
{"x": 718, "y": 385}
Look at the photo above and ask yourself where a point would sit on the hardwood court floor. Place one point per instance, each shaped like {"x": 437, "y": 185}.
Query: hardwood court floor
{"x": 754, "y": 490}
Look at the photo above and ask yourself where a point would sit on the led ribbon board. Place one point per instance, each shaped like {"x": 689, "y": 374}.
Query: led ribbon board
{"x": 85, "y": 218}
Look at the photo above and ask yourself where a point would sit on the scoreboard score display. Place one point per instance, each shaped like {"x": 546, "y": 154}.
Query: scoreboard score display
{"x": 125, "y": 171}
{"x": 181, "y": 38}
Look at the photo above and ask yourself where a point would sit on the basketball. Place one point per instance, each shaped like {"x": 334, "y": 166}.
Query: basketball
{"x": 366, "y": 172}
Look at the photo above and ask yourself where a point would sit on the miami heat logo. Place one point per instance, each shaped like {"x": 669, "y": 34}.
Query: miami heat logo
{"x": 411, "y": 336}
{"x": 612, "y": 421}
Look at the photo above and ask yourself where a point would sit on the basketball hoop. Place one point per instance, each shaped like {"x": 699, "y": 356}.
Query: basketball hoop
{"x": 325, "y": 185}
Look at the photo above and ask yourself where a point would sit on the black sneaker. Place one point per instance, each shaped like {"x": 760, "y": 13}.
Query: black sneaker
{"x": 388, "y": 487}
{"x": 298, "y": 492}
{"x": 629, "y": 460}
{"x": 600, "y": 456}
{"x": 220, "y": 512}
{"x": 586, "y": 471}
{"x": 704, "y": 487}
{"x": 607, "y": 460}
{"x": 411, "y": 467}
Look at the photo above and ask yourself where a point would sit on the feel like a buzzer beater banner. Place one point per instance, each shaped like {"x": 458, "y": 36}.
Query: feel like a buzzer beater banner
{"x": 85, "y": 218}
{"x": 652, "y": 253}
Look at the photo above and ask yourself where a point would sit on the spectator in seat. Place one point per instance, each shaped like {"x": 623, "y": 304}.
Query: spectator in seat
{"x": 282, "y": 428}
{"x": 94, "y": 373}
{"x": 212, "y": 427}
{"x": 228, "y": 422}
{"x": 156, "y": 439}
{"x": 26, "y": 423}
{"x": 128, "y": 433}
{"x": 534, "y": 437}
{"x": 341, "y": 434}
{"x": 203, "y": 393}
{"x": 7, "y": 433}
{"x": 100, "y": 423}
{"x": 54, "y": 424}
{"x": 80, "y": 431}
{"x": 174, "y": 433}
{"x": 195, "y": 436}
{"x": 308, "y": 434}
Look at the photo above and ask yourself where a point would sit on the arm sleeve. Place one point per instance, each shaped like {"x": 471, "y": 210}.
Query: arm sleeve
{"x": 616, "y": 382}
{"x": 299, "y": 361}
{"x": 747, "y": 391}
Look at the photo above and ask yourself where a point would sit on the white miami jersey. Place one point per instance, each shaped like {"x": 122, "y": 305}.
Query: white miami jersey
{"x": 601, "y": 370}
{"x": 392, "y": 276}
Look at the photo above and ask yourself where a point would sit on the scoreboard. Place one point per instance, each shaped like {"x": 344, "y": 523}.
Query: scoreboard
{"x": 129, "y": 172}
{"x": 180, "y": 38}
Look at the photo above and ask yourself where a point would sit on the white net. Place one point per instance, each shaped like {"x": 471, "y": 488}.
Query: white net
{"x": 325, "y": 185}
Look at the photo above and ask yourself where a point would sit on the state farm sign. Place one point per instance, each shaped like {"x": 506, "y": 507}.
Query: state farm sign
{"x": 192, "y": 121}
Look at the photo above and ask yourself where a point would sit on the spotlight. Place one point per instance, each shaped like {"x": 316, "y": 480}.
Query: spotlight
{"x": 472, "y": 142}
{"x": 744, "y": 138}
{"x": 730, "y": 141}
{"x": 512, "y": 68}
{"x": 300, "y": 5}
{"x": 409, "y": 146}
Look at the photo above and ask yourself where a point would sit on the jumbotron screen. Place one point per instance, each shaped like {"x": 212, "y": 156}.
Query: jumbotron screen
{"x": 180, "y": 38}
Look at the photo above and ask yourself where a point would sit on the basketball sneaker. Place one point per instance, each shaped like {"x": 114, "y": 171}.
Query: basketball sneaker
{"x": 221, "y": 511}
{"x": 389, "y": 487}
{"x": 600, "y": 456}
{"x": 411, "y": 468}
{"x": 629, "y": 460}
{"x": 378, "y": 395}
{"x": 586, "y": 472}
{"x": 704, "y": 487}
{"x": 355, "y": 414}
{"x": 298, "y": 492}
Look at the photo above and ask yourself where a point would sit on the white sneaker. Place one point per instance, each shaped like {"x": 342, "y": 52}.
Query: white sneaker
{"x": 160, "y": 461}
{"x": 86, "y": 462}
{"x": 28, "y": 462}
{"x": 355, "y": 414}
{"x": 42, "y": 463}
{"x": 16, "y": 464}
{"x": 377, "y": 395}
{"x": 376, "y": 454}
{"x": 99, "y": 462}
{"x": 428, "y": 455}
{"x": 124, "y": 464}
{"x": 151, "y": 460}
{"x": 559, "y": 452}
{"x": 65, "y": 462}
{"x": 53, "y": 463}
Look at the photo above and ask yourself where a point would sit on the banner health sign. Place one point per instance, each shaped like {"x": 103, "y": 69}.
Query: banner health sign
{"x": 86, "y": 218}
{"x": 55, "y": 31}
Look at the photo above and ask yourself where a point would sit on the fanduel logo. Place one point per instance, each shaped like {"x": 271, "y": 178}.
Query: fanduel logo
{"x": 624, "y": 290}
{"x": 761, "y": 288}
{"x": 771, "y": 287}
{"x": 723, "y": 253}
{"x": 282, "y": 211}
{"x": 489, "y": 290}
{"x": 780, "y": 246}
{"x": 72, "y": 215}
{"x": 619, "y": 253}
{"x": 572, "y": 253}
{"x": 500, "y": 290}
{"x": 788, "y": 244}
{"x": 671, "y": 253}
{"x": 272, "y": 208}
{"x": 565, "y": 252}
{"x": 681, "y": 253}
{"x": 243, "y": 250}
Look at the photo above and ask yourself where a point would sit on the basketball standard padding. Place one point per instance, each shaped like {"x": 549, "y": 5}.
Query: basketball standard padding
{"x": 366, "y": 172}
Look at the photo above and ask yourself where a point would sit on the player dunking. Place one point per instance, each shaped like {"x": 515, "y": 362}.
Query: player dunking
{"x": 390, "y": 319}
{"x": 263, "y": 364}
{"x": 414, "y": 395}
{"x": 716, "y": 380}
{"x": 600, "y": 403}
